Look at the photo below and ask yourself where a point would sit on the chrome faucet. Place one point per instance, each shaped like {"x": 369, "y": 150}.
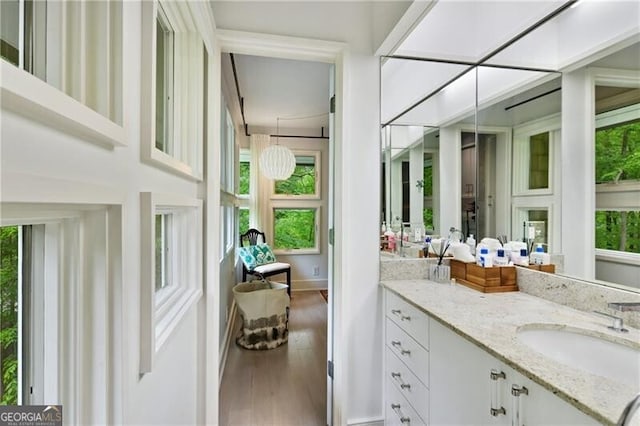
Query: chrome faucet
{"x": 618, "y": 324}
{"x": 629, "y": 410}
{"x": 625, "y": 306}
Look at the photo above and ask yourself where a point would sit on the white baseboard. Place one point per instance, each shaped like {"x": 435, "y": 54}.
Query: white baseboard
{"x": 228, "y": 336}
{"x": 309, "y": 285}
{"x": 371, "y": 421}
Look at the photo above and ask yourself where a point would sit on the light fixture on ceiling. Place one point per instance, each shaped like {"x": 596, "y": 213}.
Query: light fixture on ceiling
{"x": 277, "y": 161}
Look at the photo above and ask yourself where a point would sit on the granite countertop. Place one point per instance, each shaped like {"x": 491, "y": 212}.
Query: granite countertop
{"x": 491, "y": 321}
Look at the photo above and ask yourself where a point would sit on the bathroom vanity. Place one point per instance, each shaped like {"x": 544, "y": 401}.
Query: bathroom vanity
{"x": 457, "y": 356}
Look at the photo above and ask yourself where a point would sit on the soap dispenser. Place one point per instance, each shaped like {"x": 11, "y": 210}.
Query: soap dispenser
{"x": 539, "y": 257}
{"x": 471, "y": 242}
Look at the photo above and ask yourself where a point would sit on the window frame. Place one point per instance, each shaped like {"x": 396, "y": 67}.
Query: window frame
{"x": 297, "y": 206}
{"x": 317, "y": 155}
{"x": 187, "y": 130}
{"x": 620, "y": 196}
{"x": 521, "y": 154}
{"x": 162, "y": 310}
{"x": 57, "y": 102}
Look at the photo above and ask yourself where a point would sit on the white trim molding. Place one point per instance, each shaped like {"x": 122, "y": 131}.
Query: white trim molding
{"x": 162, "y": 310}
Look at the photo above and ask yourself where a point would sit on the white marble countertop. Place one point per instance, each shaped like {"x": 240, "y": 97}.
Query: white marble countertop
{"x": 491, "y": 321}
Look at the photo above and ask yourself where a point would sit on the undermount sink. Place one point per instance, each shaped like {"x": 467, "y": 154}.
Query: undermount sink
{"x": 583, "y": 350}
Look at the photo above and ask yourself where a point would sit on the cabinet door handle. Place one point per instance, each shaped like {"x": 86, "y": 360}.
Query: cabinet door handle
{"x": 405, "y": 420}
{"x": 395, "y": 406}
{"x": 495, "y": 375}
{"x": 405, "y": 352}
{"x": 519, "y": 390}
{"x": 495, "y": 412}
{"x": 396, "y": 343}
{"x": 395, "y": 375}
{"x": 396, "y": 311}
{"x": 405, "y": 318}
{"x": 405, "y": 386}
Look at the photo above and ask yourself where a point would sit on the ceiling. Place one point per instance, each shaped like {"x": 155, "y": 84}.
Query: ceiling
{"x": 295, "y": 93}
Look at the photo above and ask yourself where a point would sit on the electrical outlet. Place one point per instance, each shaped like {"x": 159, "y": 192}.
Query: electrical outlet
{"x": 316, "y": 271}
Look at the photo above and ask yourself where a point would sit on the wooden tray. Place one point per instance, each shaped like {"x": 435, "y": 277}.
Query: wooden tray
{"x": 544, "y": 268}
{"x": 493, "y": 289}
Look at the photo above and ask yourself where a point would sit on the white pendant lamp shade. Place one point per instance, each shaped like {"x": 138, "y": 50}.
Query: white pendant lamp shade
{"x": 277, "y": 162}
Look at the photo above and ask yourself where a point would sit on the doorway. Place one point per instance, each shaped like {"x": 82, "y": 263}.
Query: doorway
{"x": 247, "y": 44}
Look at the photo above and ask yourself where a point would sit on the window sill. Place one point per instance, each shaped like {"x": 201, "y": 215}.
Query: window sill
{"x": 295, "y": 252}
{"x": 618, "y": 257}
{"x": 31, "y": 97}
{"x": 166, "y": 162}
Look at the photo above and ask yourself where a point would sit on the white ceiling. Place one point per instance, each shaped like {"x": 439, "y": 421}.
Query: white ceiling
{"x": 296, "y": 92}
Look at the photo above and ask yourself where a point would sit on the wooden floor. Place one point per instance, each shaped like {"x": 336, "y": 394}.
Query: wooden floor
{"x": 282, "y": 386}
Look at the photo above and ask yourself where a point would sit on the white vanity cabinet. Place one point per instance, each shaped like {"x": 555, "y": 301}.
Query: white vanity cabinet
{"x": 435, "y": 376}
{"x": 469, "y": 386}
{"x": 406, "y": 372}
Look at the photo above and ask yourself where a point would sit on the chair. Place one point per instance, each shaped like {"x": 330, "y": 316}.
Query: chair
{"x": 269, "y": 269}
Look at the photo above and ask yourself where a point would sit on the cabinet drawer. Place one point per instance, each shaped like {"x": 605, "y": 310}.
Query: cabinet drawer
{"x": 397, "y": 410}
{"x": 415, "y": 392}
{"x": 408, "y": 318}
{"x": 414, "y": 356}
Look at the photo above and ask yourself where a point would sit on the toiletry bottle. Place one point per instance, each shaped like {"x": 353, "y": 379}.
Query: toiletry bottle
{"x": 500, "y": 259}
{"x": 523, "y": 259}
{"x": 471, "y": 242}
{"x": 485, "y": 260}
{"x": 539, "y": 257}
{"x": 383, "y": 228}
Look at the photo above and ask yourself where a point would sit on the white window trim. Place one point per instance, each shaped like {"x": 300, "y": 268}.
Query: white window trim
{"x": 27, "y": 95}
{"x": 521, "y": 134}
{"x": 188, "y": 123}
{"x": 318, "y": 170}
{"x": 301, "y": 205}
{"x": 521, "y": 205}
{"x": 616, "y": 256}
{"x": 162, "y": 311}
{"x": 81, "y": 273}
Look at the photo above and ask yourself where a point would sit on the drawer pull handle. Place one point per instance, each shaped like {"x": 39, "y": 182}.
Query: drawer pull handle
{"x": 519, "y": 390}
{"x": 495, "y": 375}
{"x": 405, "y": 386}
{"x": 396, "y": 343}
{"x": 495, "y": 412}
{"x": 396, "y": 311}
{"x": 405, "y": 420}
{"x": 405, "y": 318}
{"x": 395, "y": 375}
{"x": 405, "y": 352}
{"x": 395, "y": 406}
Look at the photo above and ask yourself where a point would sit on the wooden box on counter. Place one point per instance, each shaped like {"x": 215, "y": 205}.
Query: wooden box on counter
{"x": 487, "y": 280}
{"x": 544, "y": 268}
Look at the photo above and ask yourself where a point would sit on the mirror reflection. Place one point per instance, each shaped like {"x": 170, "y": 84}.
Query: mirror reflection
{"x": 518, "y": 156}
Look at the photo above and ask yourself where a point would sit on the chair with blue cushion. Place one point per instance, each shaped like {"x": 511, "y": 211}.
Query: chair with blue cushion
{"x": 258, "y": 259}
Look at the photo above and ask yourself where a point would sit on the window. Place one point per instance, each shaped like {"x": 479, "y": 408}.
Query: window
{"x": 171, "y": 238}
{"x": 243, "y": 220}
{"x": 534, "y": 144}
{"x": 47, "y": 65}
{"x": 244, "y": 173}
{"x": 304, "y": 182}
{"x": 51, "y": 254}
{"x": 427, "y": 190}
{"x": 227, "y": 152}
{"x": 164, "y": 82}
{"x": 617, "y": 174}
{"x": 173, "y": 64}
{"x": 295, "y": 229}
{"x": 164, "y": 250}
{"x": 10, "y": 337}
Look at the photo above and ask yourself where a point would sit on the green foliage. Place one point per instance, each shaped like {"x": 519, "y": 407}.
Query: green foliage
{"x": 427, "y": 218}
{"x": 618, "y": 153}
{"x": 243, "y": 184}
{"x": 294, "y": 228}
{"x": 301, "y": 182}
{"x": 428, "y": 181}
{"x": 243, "y": 220}
{"x": 618, "y": 159}
{"x": 9, "y": 313}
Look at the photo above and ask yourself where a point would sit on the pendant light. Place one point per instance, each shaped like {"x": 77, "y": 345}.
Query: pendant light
{"x": 277, "y": 162}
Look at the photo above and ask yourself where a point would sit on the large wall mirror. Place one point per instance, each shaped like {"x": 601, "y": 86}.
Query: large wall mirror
{"x": 496, "y": 125}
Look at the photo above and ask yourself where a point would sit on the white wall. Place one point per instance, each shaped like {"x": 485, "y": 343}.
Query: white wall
{"x": 90, "y": 173}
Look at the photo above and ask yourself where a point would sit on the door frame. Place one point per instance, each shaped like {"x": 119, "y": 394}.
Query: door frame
{"x": 319, "y": 51}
